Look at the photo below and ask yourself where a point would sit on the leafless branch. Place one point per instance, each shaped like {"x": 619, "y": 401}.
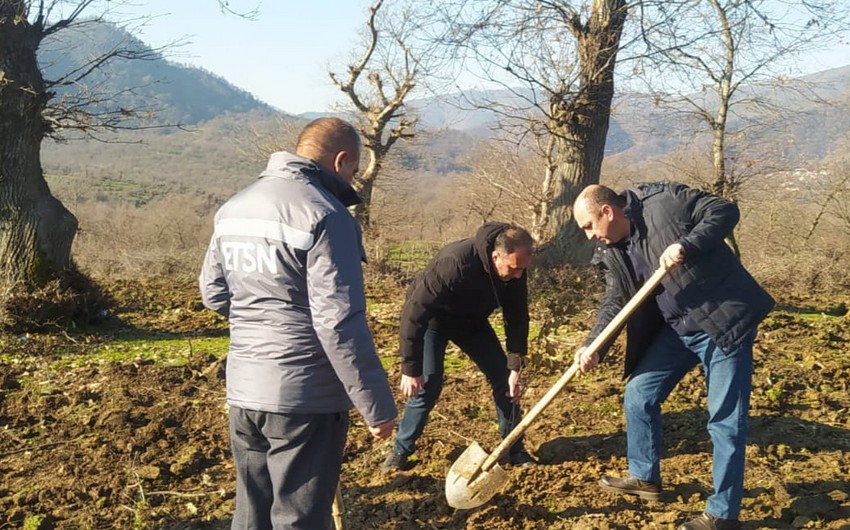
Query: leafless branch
{"x": 250, "y": 14}
{"x": 392, "y": 68}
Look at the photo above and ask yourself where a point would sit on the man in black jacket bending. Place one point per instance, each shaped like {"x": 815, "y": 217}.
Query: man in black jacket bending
{"x": 451, "y": 300}
{"x": 706, "y": 312}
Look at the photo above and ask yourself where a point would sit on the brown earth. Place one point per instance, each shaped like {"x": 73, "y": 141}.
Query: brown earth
{"x": 142, "y": 445}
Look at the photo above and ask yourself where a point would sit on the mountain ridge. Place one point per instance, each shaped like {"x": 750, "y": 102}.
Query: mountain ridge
{"x": 224, "y": 117}
{"x": 178, "y": 94}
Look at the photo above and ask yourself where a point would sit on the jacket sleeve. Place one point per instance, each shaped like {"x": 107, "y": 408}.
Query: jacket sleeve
{"x": 613, "y": 301}
{"x": 338, "y": 308}
{"x": 212, "y": 282}
{"x": 429, "y": 291}
{"x": 713, "y": 219}
{"x": 515, "y": 311}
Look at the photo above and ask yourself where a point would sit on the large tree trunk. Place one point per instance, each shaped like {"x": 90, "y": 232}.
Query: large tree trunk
{"x": 362, "y": 211}
{"x": 36, "y": 231}
{"x": 365, "y": 183}
{"x": 581, "y": 127}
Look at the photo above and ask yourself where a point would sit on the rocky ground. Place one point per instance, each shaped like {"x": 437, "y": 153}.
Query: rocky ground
{"x": 143, "y": 444}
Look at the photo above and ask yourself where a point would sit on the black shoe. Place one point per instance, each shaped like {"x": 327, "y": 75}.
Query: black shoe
{"x": 631, "y": 486}
{"x": 395, "y": 462}
{"x": 522, "y": 459}
{"x": 707, "y": 521}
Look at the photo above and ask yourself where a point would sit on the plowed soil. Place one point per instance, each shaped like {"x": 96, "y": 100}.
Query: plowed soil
{"x": 144, "y": 445}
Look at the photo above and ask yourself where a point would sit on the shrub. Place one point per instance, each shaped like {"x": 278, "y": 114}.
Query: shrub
{"x": 70, "y": 300}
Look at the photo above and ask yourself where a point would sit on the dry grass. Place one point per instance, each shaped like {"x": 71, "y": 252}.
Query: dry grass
{"x": 168, "y": 238}
{"x": 163, "y": 238}
{"x": 70, "y": 300}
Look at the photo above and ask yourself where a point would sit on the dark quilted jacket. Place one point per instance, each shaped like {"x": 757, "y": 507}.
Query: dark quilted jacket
{"x": 711, "y": 286}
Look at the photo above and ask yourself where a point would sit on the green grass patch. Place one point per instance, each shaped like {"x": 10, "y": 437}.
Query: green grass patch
{"x": 387, "y": 361}
{"x": 171, "y": 351}
{"x": 411, "y": 255}
{"x": 534, "y": 328}
{"x": 33, "y": 522}
{"x": 498, "y": 323}
{"x": 104, "y": 187}
{"x": 808, "y": 313}
{"x": 455, "y": 362}
{"x": 382, "y": 310}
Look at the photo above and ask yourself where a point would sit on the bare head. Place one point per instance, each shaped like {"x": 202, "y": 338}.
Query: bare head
{"x": 512, "y": 252}
{"x": 598, "y": 210}
{"x": 333, "y": 143}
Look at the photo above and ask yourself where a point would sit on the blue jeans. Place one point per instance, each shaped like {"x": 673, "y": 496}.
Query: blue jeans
{"x": 728, "y": 378}
{"x": 483, "y": 347}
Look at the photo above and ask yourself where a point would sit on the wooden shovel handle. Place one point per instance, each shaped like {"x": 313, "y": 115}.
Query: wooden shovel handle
{"x": 337, "y": 509}
{"x": 610, "y": 330}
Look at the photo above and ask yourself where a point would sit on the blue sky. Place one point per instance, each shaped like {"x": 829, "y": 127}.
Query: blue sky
{"x": 283, "y": 56}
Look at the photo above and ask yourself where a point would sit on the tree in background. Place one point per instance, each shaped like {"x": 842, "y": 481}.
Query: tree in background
{"x": 831, "y": 194}
{"x": 711, "y": 58}
{"x": 556, "y": 59}
{"x": 504, "y": 185}
{"x": 36, "y": 230}
{"x": 377, "y": 84}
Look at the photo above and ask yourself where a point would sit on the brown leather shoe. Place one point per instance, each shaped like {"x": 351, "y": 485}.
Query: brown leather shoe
{"x": 707, "y": 521}
{"x": 631, "y": 486}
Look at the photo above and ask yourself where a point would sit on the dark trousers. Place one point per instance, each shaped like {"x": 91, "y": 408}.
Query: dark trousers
{"x": 287, "y": 468}
{"x": 483, "y": 347}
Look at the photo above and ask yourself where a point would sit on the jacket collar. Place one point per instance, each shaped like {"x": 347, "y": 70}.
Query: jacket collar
{"x": 285, "y": 164}
{"x": 634, "y": 213}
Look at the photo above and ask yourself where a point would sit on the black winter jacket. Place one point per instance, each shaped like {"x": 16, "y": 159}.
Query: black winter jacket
{"x": 458, "y": 291}
{"x": 712, "y": 287}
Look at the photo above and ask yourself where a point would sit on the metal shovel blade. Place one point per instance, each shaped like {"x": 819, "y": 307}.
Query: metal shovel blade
{"x": 467, "y": 484}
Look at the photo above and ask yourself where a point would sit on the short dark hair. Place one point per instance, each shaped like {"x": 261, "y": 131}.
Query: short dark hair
{"x": 327, "y": 136}
{"x": 597, "y": 196}
{"x": 511, "y": 238}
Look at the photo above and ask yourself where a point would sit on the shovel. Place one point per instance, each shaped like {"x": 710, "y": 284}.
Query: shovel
{"x": 476, "y": 476}
{"x": 337, "y": 509}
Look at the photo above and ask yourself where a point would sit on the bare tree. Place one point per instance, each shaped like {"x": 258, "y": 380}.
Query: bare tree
{"x": 831, "y": 194}
{"x": 555, "y": 61}
{"x": 377, "y": 85}
{"x": 504, "y": 184}
{"x": 249, "y": 13}
{"x": 278, "y": 134}
{"x": 719, "y": 60}
{"x": 36, "y": 230}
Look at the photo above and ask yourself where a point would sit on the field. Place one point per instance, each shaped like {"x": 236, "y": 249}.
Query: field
{"x": 123, "y": 425}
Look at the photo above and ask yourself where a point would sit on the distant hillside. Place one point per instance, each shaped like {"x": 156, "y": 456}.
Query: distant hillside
{"x": 808, "y": 131}
{"x": 802, "y": 121}
{"x": 216, "y": 157}
{"x": 177, "y": 93}
{"x": 226, "y": 124}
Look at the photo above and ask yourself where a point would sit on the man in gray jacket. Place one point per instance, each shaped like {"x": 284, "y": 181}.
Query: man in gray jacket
{"x": 284, "y": 266}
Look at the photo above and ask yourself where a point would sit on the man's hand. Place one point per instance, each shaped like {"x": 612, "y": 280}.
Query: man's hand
{"x": 586, "y": 360}
{"x": 515, "y": 386}
{"x": 672, "y": 256}
{"x": 411, "y": 386}
{"x": 382, "y": 431}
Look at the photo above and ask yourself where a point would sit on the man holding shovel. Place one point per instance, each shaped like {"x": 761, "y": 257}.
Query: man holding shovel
{"x": 451, "y": 300}
{"x": 284, "y": 267}
{"x": 706, "y": 312}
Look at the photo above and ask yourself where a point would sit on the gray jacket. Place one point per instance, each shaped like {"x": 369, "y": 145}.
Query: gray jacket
{"x": 284, "y": 265}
